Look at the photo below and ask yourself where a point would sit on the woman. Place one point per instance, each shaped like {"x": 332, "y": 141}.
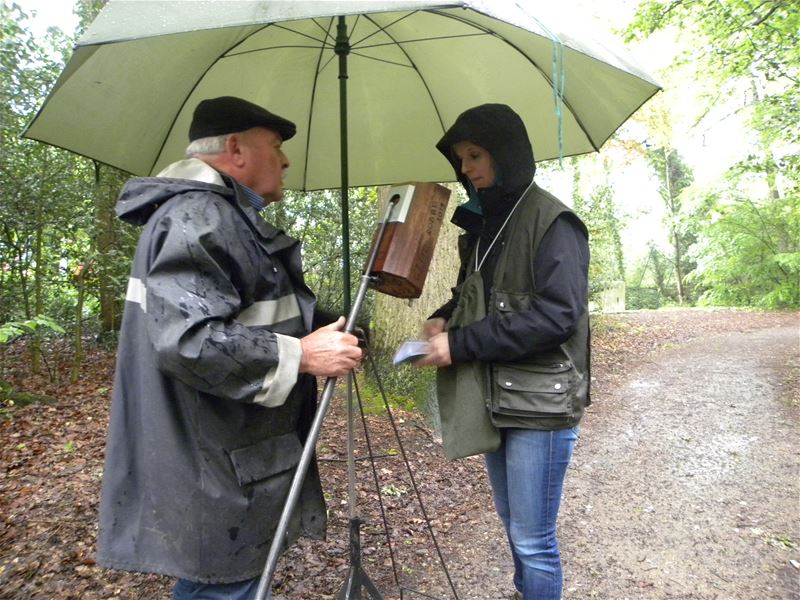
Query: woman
{"x": 528, "y": 254}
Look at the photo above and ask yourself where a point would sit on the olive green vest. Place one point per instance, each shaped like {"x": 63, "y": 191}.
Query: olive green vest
{"x": 549, "y": 390}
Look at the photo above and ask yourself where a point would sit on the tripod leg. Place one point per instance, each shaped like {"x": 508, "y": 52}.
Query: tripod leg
{"x": 356, "y": 577}
{"x": 351, "y": 589}
{"x": 373, "y": 592}
{"x": 305, "y": 460}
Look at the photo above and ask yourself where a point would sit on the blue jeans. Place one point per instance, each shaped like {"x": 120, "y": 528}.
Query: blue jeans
{"x": 241, "y": 590}
{"x": 527, "y": 476}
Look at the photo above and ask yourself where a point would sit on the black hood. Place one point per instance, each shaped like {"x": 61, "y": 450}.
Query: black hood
{"x": 498, "y": 129}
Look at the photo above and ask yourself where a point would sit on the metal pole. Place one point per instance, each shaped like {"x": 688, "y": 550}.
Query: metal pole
{"x": 342, "y": 49}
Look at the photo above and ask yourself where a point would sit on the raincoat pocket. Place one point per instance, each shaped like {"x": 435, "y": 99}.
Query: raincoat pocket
{"x": 532, "y": 390}
{"x": 266, "y": 458}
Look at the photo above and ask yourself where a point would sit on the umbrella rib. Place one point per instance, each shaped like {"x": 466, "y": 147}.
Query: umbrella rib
{"x": 326, "y": 32}
{"x": 383, "y": 60}
{"x": 301, "y": 34}
{"x": 281, "y": 47}
{"x": 421, "y": 78}
{"x": 428, "y": 39}
{"x": 186, "y": 99}
{"x": 380, "y": 28}
{"x": 317, "y": 71}
{"x": 227, "y": 54}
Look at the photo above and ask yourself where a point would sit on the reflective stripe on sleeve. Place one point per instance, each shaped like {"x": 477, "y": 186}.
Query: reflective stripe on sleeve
{"x": 137, "y": 292}
{"x": 281, "y": 378}
{"x": 269, "y": 312}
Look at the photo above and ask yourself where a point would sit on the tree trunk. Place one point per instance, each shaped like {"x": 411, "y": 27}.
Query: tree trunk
{"x": 679, "y": 269}
{"x": 77, "y": 334}
{"x": 38, "y": 276}
{"x": 672, "y": 207}
{"x": 106, "y": 184}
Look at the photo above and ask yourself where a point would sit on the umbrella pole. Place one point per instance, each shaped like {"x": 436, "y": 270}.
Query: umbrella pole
{"x": 342, "y": 49}
{"x": 356, "y": 577}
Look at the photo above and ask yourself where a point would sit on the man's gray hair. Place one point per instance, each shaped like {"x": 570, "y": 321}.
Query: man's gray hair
{"x": 214, "y": 144}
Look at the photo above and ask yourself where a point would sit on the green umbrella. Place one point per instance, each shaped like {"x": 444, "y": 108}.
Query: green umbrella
{"x": 408, "y": 67}
{"x": 126, "y": 96}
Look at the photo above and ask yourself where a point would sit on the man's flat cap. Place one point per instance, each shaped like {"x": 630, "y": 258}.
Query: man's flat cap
{"x": 228, "y": 114}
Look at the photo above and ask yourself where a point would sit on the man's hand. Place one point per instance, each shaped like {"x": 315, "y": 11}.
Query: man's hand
{"x": 438, "y": 354}
{"x": 329, "y": 352}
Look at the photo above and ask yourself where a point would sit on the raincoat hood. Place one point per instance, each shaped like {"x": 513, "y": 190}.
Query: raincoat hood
{"x": 499, "y": 130}
{"x": 138, "y": 202}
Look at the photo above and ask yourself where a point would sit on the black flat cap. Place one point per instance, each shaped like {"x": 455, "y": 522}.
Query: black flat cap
{"x": 228, "y": 114}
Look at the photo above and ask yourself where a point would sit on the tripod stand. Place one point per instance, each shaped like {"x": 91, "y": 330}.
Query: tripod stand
{"x": 356, "y": 577}
{"x": 357, "y": 581}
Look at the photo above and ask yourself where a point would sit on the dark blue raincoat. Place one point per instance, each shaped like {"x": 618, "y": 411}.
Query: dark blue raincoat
{"x": 209, "y": 413}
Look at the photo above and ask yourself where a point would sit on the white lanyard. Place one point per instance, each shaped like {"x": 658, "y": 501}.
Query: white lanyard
{"x": 478, "y": 265}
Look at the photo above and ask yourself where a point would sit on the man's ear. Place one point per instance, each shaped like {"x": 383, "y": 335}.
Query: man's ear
{"x": 233, "y": 148}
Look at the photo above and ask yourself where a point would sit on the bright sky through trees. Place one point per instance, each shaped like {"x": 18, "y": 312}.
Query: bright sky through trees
{"x": 709, "y": 149}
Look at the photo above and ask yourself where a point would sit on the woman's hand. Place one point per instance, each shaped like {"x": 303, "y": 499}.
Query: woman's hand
{"x": 431, "y": 327}
{"x": 438, "y": 354}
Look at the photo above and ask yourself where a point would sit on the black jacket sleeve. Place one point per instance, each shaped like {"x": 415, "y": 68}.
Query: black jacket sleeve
{"x": 561, "y": 271}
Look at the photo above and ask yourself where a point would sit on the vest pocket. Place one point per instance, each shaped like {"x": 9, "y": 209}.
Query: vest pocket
{"x": 526, "y": 390}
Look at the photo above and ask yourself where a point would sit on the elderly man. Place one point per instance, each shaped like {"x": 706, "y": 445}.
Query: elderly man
{"x": 215, "y": 380}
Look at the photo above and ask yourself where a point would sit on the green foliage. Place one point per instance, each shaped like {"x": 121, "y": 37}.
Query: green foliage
{"x": 674, "y": 177}
{"x": 742, "y": 35}
{"x": 764, "y": 269}
{"x": 45, "y": 193}
{"x": 393, "y": 490}
{"x": 14, "y": 329}
{"x": 745, "y": 238}
{"x": 638, "y": 298}
{"x": 600, "y": 215}
{"x": 406, "y": 387}
{"x": 10, "y": 332}
{"x": 62, "y": 250}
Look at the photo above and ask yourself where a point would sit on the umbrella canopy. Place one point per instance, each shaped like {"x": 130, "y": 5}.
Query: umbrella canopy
{"x": 127, "y": 94}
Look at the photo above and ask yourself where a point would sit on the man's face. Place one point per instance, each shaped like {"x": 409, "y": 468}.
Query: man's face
{"x": 263, "y": 162}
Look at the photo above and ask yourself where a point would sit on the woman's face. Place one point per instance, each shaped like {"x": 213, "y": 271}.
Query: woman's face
{"x": 476, "y": 164}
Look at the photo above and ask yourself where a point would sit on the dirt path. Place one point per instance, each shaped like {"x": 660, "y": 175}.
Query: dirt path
{"x": 685, "y": 483}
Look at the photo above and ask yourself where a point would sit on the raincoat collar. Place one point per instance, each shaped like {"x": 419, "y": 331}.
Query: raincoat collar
{"x": 142, "y": 196}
